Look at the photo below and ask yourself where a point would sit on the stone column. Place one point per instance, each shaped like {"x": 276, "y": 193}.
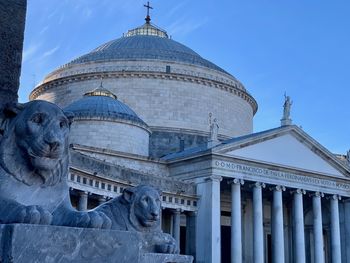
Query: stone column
{"x": 83, "y": 201}
{"x": 236, "y": 224}
{"x": 258, "y": 229}
{"x": 298, "y": 226}
{"x": 101, "y": 199}
{"x": 208, "y": 226}
{"x": 318, "y": 230}
{"x": 335, "y": 229}
{"x": 347, "y": 228}
{"x": 191, "y": 233}
{"x": 176, "y": 226}
{"x": 277, "y": 225}
{"x": 12, "y": 21}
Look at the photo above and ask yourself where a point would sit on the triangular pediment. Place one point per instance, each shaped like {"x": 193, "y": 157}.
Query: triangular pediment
{"x": 287, "y": 147}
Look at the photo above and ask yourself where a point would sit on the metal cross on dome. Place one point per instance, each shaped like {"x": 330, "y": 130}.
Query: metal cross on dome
{"x": 148, "y": 18}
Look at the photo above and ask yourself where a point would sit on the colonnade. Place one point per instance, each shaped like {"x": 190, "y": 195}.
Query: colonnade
{"x": 277, "y": 224}
{"x": 209, "y": 231}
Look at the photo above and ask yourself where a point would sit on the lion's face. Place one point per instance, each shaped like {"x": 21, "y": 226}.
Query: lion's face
{"x": 43, "y": 131}
{"x": 40, "y": 131}
{"x": 146, "y": 205}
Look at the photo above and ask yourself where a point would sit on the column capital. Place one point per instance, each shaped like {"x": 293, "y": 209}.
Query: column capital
{"x": 334, "y": 197}
{"x": 258, "y": 185}
{"x": 214, "y": 178}
{"x": 317, "y": 194}
{"x": 298, "y": 191}
{"x": 279, "y": 188}
{"x": 236, "y": 181}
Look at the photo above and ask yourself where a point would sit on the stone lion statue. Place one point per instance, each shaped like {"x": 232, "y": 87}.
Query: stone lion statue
{"x": 138, "y": 209}
{"x": 34, "y": 168}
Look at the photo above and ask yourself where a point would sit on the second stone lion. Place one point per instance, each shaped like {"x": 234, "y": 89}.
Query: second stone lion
{"x": 138, "y": 209}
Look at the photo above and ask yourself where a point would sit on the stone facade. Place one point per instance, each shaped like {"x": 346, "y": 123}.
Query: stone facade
{"x": 111, "y": 135}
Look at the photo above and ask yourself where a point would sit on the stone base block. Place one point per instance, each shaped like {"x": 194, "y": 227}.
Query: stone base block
{"x": 165, "y": 258}
{"x": 22, "y": 243}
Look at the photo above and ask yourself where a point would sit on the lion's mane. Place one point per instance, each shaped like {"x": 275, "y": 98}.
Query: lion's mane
{"x": 24, "y": 150}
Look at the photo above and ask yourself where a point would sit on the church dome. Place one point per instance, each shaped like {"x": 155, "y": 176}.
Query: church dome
{"x": 145, "y": 47}
{"x": 101, "y": 103}
{"x": 101, "y": 121}
{"x": 168, "y": 85}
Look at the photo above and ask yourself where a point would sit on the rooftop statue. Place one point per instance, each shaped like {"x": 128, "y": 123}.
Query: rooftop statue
{"x": 34, "y": 168}
{"x": 286, "y": 107}
{"x": 214, "y": 128}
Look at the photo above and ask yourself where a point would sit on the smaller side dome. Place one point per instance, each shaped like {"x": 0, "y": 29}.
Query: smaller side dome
{"x": 103, "y": 122}
{"x": 101, "y": 103}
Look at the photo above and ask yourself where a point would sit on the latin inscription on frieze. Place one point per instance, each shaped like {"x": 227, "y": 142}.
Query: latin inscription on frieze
{"x": 263, "y": 172}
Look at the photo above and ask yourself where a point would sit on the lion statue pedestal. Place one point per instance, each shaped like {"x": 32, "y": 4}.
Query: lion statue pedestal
{"x": 21, "y": 243}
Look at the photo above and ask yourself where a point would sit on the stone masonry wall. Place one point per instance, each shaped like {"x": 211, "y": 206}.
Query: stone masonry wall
{"x": 110, "y": 135}
{"x": 168, "y": 103}
{"x": 12, "y": 20}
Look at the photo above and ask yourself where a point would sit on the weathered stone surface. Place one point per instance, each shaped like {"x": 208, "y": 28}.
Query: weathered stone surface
{"x": 115, "y": 171}
{"x": 22, "y": 243}
{"x": 165, "y": 258}
{"x": 46, "y": 244}
{"x": 12, "y": 19}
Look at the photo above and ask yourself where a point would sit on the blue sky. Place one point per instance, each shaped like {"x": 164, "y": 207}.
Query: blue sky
{"x": 299, "y": 47}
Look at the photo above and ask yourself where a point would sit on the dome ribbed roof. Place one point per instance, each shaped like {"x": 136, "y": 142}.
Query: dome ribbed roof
{"x": 101, "y": 103}
{"x": 141, "y": 47}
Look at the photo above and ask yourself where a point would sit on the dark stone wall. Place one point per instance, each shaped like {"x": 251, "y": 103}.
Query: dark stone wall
{"x": 163, "y": 143}
{"x": 12, "y": 20}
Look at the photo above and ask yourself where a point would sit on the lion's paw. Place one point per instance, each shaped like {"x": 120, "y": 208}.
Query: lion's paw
{"x": 99, "y": 220}
{"x": 92, "y": 219}
{"x": 32, "y": 215}
{"x": 167, "y": 248}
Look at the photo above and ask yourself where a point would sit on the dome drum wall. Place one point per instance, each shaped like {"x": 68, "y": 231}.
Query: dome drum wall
{"x": 171, "y": 103}
{"x": 110, "y": 135}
